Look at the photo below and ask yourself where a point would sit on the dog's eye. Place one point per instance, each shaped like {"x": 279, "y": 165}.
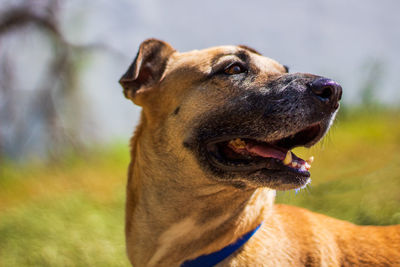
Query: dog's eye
{"x": 234, "y": 69}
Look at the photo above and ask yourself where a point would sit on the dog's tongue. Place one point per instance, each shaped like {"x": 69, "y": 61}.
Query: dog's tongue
{"x": 266, "y": 151}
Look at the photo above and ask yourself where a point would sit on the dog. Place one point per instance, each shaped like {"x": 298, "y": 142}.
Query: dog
{"x": 212, "y": 147}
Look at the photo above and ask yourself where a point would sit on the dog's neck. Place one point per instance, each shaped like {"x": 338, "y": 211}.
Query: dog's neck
{"x": 172, "y": 215}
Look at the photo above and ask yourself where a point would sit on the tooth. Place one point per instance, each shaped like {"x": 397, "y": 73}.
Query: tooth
{"x": 288, "y": 158}
{"x": 307, "y": 165}
{"x": 310, "y": 160}
{"x": 238, "y": 143}
{"x": 303, "y": 168}
{"x": 295, "y": 164}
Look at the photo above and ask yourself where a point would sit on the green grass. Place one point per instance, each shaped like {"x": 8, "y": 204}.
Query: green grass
{"x": 71, "y": 213}
{"x": 70, "y": 230}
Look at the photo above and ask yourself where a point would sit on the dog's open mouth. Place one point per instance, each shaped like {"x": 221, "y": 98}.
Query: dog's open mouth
{"x": 242, "y": 154}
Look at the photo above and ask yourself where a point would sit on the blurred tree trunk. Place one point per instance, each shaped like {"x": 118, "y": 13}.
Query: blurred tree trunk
{"x": 56, "y": 92}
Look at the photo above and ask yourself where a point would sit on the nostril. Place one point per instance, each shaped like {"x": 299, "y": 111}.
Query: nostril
{"x": 326, "y": 90}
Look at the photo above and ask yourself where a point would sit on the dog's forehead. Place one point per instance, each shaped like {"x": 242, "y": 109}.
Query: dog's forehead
{"x": 204, "y": 59}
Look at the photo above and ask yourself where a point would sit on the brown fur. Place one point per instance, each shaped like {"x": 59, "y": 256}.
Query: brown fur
{"x": 176, "y": 210}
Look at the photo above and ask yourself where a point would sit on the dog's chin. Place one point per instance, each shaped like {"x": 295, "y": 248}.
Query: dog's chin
{"x": 283, "y": 179}
{"x": 271, "y": 173}
{"x": 262, "y": 162}
{"x": 278, "y": 180}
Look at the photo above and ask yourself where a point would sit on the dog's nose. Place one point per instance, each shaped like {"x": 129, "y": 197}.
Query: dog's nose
{"x": 327, "y": 91}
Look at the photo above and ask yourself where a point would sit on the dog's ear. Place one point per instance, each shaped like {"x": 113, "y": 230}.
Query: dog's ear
{"x": 147, "y": 68}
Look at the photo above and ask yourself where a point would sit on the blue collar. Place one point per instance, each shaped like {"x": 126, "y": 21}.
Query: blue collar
{"x": 218, "y": 256}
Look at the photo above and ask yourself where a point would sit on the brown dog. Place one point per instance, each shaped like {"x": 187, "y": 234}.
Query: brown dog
{"x": 212, "y": 147}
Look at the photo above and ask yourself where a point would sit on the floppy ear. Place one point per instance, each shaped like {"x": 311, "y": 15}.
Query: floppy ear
{"x": 147, "y": 68}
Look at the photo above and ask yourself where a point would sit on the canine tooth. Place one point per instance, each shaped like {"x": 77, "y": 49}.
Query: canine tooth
{"x": 310, "y": 160}
{"x": 295, "y": 164}
{"x": 307, "y": 165}
{"x": 288, "y": 158}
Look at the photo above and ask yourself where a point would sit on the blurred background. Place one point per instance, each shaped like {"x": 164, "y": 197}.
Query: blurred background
{"x": 65, "y": 125}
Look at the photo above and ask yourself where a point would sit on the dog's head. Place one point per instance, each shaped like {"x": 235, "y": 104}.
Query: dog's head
{"x": 231, "y": 113}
